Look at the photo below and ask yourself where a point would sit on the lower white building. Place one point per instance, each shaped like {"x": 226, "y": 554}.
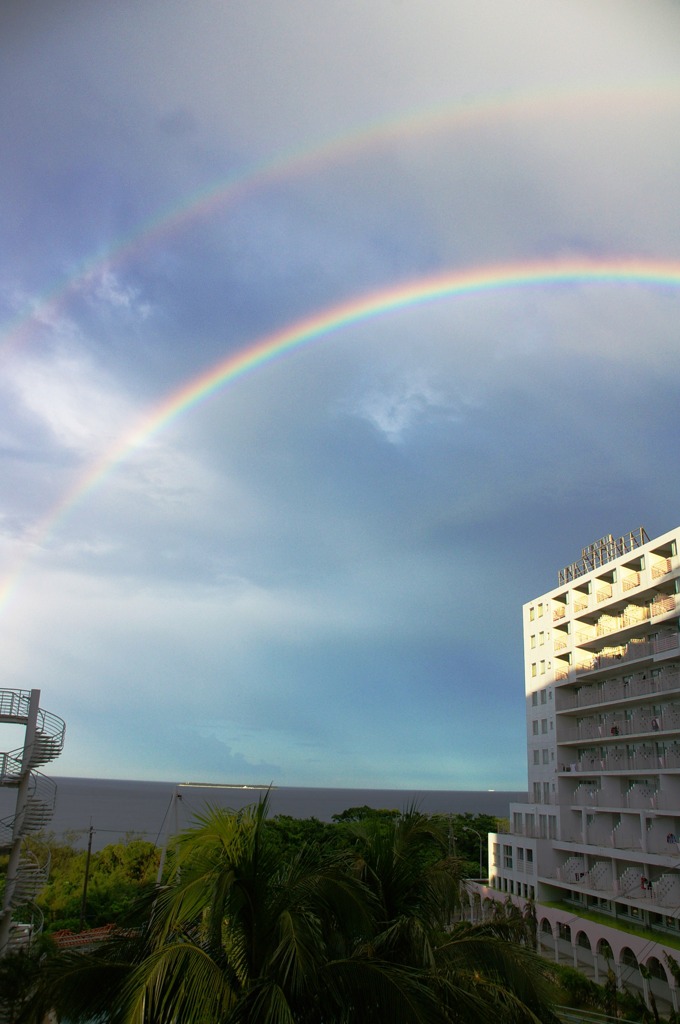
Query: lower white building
{"x": 597, "y": 845}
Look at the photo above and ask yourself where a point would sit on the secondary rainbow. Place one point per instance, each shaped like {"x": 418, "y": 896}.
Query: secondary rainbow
{"x": 321, "y": 325}
{"x": 292, "y": 164}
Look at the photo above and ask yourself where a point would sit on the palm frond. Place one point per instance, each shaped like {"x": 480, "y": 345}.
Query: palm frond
{"x": 179, "y": 982}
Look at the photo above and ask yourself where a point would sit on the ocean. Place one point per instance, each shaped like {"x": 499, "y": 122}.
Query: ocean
{"x": 116, "y": 808}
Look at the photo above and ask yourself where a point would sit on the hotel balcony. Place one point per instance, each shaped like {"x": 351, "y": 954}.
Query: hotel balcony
{"x": 633, "y": 723}
{"x": 619, "y": 761}
{"x": 611, "y": 691}
{"x": 628, "y": 618}
{"x": 641, "y": 795}
{"x": 660, "y": 894}
{"x": 622, "y": 843}
{"x": 634, "y": 650}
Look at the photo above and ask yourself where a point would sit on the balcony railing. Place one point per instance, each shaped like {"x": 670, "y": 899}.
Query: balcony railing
{"x": 641, "y": 722}
{"x": 614, "y": 689}
{"x": 586, "y": 796}
{"x": 662, "y": 605}
{"x": 632, "y": 651}
{"x": 618, "y": 761}
{"x": 661, "y": 567}
{"x": 631, "y": 581}
{"x": 633, "y": 615}
{"x": 597, "y": 878}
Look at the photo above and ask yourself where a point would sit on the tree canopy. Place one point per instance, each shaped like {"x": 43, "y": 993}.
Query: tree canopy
{"x": 254, "y": 928}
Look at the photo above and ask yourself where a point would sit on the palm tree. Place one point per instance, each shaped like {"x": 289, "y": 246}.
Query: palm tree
{"x": 243, "y": 936}
{"x": 478, "y": 973}
{"x": 415, "y": 885}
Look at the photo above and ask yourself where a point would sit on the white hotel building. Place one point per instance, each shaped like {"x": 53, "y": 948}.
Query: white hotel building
{"x": 598, "y": 844}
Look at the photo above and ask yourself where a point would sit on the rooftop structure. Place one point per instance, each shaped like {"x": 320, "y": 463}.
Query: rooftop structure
{"x": 597, "y": 845}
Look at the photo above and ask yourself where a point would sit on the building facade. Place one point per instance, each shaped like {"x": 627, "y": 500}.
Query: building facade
{"x": 597, "y": 845}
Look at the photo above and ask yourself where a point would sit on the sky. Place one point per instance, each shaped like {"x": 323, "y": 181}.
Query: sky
{"x": 304, "y": 563}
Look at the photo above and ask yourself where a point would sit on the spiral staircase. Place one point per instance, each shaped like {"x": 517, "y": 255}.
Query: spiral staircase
{"x": 27, "y": 870}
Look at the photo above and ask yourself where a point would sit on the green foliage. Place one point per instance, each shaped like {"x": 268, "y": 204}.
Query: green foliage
{"x": 673, "y": 966}
{"x": 521, "y": 923}
{"x": 366, "y": 813}
{"x": 123, "y": 872}
{"x": 289, "y": 834}
{"x": 349, "y": 925}
{"x": 579, "y": 991}
{"x": 118, "y": 875}
{"x": 18, "y": 977}
{"x": 415, "y": 885}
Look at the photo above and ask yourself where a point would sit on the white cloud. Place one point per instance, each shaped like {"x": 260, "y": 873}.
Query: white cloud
{"x": 73, "y": 399}
{"x": 106, "y": 287}
{"x": 402, "y": 406}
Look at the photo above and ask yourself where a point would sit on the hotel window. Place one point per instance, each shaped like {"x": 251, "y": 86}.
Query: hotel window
{"x": 543, "y": 697}
{"x": 534, "y": 728}
{"x": 540, "y": 608}
{"x": 541, "y": 638}
{"x": 533, "y": 669}
{"x": 532, "y": 612}
{"x": 532, "y": 641}
{"x": 544, "y": 725}
{"x": 534, "y": 699}
{"x": 546, "y": 792}
{"x": 536, "y": 757}
{"x": 542, "y": 667}
{"x": 537, "y": 792}
{"x": 546, "y": 757}
{"x": 507, "y": 856}
{"x": 530, "y": 856}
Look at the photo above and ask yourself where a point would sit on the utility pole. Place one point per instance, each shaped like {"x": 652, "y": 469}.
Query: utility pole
{"x": 174, "y": 807}
{"x": 83, "y": 902}
{"x": 468, "y": 828}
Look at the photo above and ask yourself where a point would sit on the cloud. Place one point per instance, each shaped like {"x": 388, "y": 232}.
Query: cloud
{"x": 406, "y": 404}
{"x": 300, "y": 575}
{"x": 72, "y": 399}
{"x": 105, "y": 286}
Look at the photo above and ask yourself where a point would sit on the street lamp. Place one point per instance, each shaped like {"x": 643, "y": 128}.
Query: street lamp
{"x": 468, "y": 828}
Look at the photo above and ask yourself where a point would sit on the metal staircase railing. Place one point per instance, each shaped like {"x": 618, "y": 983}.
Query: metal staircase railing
{"x": 27, "y": 873}
{"x": 40, "y": 801}
{"x": 15, "y": 705}
{"x": 33, "y": 874}
{"x": 48, "y": 741}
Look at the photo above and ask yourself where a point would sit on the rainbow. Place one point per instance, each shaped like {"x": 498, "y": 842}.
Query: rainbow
{"x": 330, "y": 321}
{"x": 298, "y": 163}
